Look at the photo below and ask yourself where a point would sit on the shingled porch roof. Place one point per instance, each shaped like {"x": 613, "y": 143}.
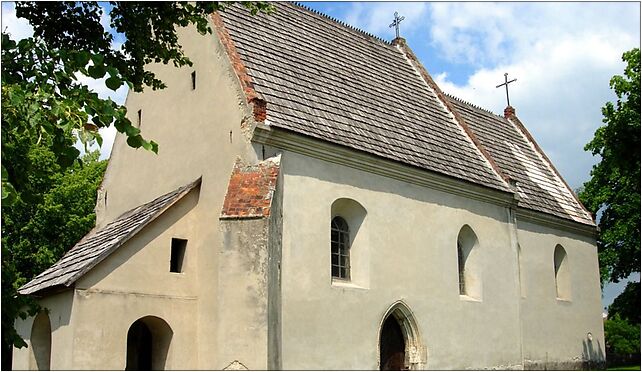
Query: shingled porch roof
{"x": 327, "y": 80}
{"x": 98, "y": 244}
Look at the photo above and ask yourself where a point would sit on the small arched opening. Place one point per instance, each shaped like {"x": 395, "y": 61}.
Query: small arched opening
{"x": 469, "y": 263}
{"x": 148, "y": 341}
{"x": 562, "y": 273}
{"x": 400, "y": 347}
{"x": 41, "y": 341}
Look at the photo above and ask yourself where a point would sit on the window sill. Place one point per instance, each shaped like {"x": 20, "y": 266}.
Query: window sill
{"x": 338, "y": 283}
{"x": 468, "y": 298}
{"x": 563, "y": 300}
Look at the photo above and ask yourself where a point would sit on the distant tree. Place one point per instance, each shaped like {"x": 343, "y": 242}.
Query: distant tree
{"x": 52, "y": 212}
{"x": 42, "y": 90}
{"x": 621, "y": 337}
{"x": 614, "y": 187}
{"x": 627, "y": 304}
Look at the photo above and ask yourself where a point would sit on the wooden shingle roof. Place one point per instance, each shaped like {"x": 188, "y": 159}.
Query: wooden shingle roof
{"x": 324, "y": 79}
{"x": 539, "y": 186}
{"x": 98, "y": 244}
{"x": 335, "y": 83}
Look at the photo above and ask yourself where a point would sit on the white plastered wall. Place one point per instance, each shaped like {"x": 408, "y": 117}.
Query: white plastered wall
{"x": 61, "y": 310}
{"x": 556, "y": 330}
{"x": 199, "y": 134}
{"x": 412, "y": 233}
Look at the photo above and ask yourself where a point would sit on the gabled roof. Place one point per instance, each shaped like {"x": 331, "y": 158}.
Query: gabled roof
{"x": 98, "y": 244}
{"x": 538, "y": 185}
{"x": 327, "y": 80}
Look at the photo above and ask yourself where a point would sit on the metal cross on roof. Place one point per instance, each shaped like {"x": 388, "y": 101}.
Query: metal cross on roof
{"x": 506, "y": 82}
{"x": 396, "y": 22}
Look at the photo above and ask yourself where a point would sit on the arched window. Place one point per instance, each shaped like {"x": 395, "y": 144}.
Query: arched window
{"x": 468, "y": 263}
{"x": 461, "y": 266}
{"x": 148, "y": 342}
{"x": 562, "y": 273}
{"x": 340, "y": 246}
{"x": 41, "y": 342}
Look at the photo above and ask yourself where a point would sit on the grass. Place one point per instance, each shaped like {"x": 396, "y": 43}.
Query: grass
{"x": 624, "y": 368}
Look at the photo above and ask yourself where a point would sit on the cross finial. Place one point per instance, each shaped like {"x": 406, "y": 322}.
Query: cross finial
{"x": 396, "y": 22}
{"x": 505, "y": 83}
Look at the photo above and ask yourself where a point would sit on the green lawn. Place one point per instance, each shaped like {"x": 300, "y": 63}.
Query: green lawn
{"x": 624, "y": 368}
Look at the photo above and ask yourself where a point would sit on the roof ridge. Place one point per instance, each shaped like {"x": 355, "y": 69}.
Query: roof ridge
{"x": 472, "y": 105}
{"x": 340, "y": 22}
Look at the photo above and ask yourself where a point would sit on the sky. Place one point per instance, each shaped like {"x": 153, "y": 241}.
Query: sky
{"x": 562, "y": 54}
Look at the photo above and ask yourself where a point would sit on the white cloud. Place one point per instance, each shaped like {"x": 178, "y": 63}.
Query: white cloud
{"x": 377, "y": 17}
{"x": 18, "y": 28}
{"x": 118, "y": 96}
{"x": 562, "y": 64}
{"x": 562, "y": 54}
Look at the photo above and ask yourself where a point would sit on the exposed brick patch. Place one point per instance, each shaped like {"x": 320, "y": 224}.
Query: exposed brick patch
{"x": 260, "y": 109}
{"x": 509, "y": 112}
{"x": 250, "y": 190}
{"x": 259, "y": 106}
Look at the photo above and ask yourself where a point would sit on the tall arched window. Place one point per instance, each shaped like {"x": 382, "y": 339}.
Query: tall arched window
{"x": 562, "y": 273}
{"x": 340, "y": 246}
{"x": 468, "y": 263}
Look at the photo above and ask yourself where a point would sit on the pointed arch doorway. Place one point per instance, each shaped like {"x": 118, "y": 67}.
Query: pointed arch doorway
{"x": 400, "y": 347}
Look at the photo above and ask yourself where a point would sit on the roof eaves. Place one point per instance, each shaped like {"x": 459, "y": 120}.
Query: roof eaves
{"x": 405, "y": 49}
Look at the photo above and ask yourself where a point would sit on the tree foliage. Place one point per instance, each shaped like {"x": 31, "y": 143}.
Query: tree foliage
{"x": 627, "y": 304}
{"x": 51, "y": 213}
{"x": 621, "y": 337}
{"x": 43, "y": 89}
{"x": 614, "y": 187}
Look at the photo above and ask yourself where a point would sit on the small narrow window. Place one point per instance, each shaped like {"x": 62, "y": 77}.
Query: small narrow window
{"x": 562, "y": 273}
{"x": 140, "y": 117}
{"x": 468, "y": 264}
{"x": 193, "y": 80}
{"x": 461, "y": 265}
{"x": 177, "y": 255}
{"x": 340, "y": 248}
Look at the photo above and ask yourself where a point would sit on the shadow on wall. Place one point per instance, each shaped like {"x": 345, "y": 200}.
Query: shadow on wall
{"x": 592, "y": 355}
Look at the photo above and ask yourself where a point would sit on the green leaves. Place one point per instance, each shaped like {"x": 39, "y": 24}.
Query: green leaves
{"x": 614, "y": 187}
{"x": 8, "y": 191}
{"x": 621, "y": 336}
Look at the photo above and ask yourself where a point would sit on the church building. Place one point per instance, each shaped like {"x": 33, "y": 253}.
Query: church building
{"x": 318, "y": 202}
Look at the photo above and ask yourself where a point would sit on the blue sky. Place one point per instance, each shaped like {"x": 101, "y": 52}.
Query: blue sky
{"x": 562, "y": 54}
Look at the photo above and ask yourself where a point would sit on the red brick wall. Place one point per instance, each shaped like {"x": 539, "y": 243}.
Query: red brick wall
{"x": 250, "y": 190}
